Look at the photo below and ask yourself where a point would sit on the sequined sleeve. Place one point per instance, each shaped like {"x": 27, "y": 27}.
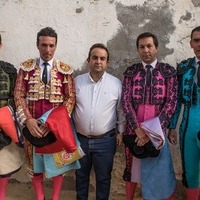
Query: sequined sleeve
{"x": 69, "y": 93}
{"x": 170, "y": 103}
{"x": 20, "y": 98}
{"x": 176, "y": 114}
{"x": 127, "y": 103}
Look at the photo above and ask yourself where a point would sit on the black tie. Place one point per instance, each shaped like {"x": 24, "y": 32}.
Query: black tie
{"x": 198, "y": 74}
{"x": 148, "y": 76}
{"x": 44, "y": 74}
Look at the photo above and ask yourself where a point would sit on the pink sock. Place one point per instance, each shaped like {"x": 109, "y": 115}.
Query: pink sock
{"x": 192, "y": 193}
{"x": 57, "y": 186}
{"x": 130, "y": 190}
{"x": 37, "y": 182}
{"x": 3, "y": 187}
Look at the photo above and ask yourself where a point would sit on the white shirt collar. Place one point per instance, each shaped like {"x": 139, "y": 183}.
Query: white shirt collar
{"x": 50, "y": 62}
{"x": 153, "y": 64}
{"x": 104, "y": 74}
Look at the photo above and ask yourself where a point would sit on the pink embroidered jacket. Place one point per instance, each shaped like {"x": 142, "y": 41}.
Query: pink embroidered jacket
{"x": 162, "y": 93}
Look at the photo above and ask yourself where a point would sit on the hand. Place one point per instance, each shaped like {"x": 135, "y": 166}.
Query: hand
{"x": 44, "y": 129}
{"x": 119, "y": 139}
{"x": 172, "y": 136}
{"x": 32, "y": 125}
{"x": 142, "y": 137}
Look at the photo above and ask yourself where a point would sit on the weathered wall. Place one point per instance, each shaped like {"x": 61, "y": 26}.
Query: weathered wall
{"x": 81, "y": 23}
{"x": 116, "y": 23}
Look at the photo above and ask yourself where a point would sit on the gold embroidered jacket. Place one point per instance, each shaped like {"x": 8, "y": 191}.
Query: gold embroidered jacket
{"x": 33, "y": 98}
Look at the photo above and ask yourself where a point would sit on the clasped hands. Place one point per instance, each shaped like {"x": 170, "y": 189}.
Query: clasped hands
{"x": 36, "y": 128}
{"x": 142, "y": 137}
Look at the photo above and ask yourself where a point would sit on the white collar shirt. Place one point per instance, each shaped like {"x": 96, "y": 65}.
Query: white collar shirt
{"x": 153, "y": 64}
{"x": 49, "y": 67}
{"x": 98, "y": 105}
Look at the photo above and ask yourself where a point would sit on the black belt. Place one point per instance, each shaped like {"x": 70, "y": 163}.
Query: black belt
{"x": 109, "y": 133}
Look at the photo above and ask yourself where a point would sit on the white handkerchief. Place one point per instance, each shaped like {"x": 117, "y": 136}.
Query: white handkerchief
{"x": 154, "y": 132}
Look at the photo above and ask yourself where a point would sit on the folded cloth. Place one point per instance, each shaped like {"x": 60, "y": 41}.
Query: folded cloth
{"x": 64, "y": 158}
{"x": 154, "y": 132}
{"x": 151, "y": 148}
{"x": 7, "y": 123}
{"x": 57, "y": 121}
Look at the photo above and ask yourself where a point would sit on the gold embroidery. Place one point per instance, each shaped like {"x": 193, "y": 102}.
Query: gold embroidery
{"x": 37, "y": 89}
{"x": 28, "y": 65}
{"x": 64, "y": 68}
{"x": 65, "y": 79}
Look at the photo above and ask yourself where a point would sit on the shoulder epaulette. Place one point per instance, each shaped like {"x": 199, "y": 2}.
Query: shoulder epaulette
{"x": 132, "y": 70}
{"x": 167, "y": 70}
{"x": 64, "y": 68}
{"x": 8, "y": 68}
{"x": 28, "y": 65}
{"x": 184, "y": 66}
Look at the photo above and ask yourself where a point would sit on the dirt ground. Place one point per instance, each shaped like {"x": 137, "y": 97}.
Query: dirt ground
{"x": 24, "y": 191}
{"x": 20, "y": 187}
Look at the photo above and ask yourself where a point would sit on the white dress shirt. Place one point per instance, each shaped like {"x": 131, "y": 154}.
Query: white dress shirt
{"x": 98, "y": 105}
{"x": 153, "y": 64}
{"x": 49, "y": 67}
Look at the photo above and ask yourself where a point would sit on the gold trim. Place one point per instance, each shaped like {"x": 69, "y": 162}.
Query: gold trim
{"x": 64, "y": 68}
{"x": 28, "y": 65}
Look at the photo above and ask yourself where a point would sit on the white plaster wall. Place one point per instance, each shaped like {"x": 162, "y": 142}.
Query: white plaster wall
{"x": 20, "y": 20}
{"x": 180, "y": 38}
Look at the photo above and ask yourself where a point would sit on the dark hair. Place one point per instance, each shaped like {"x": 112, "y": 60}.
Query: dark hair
{"x": 0, "y": 38}
{"x": 98, "y": 45}
{"x": 195, "y": 29}
{"x": 48, "y": 31}
{"x": 146, "y": 35}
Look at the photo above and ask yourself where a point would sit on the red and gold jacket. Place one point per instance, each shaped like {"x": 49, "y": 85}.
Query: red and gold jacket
{"x": 33, "y": 98}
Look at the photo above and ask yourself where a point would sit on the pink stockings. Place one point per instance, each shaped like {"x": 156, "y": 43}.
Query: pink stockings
{"x": 37, "y": 182}
{"x": 130, "y": 190}
{"x": 192, "y": 193}
{"x": 57, "y": 186}
{"x": 3, "y": 187}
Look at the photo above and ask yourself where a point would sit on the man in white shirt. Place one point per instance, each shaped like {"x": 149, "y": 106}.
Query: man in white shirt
{"x": 99, "y": 121}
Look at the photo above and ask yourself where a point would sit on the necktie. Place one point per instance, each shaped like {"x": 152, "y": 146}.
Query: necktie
{"x": 148, "y": 75}
{"x": 44, "y": 74}
{"x": 198, "y": 74}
